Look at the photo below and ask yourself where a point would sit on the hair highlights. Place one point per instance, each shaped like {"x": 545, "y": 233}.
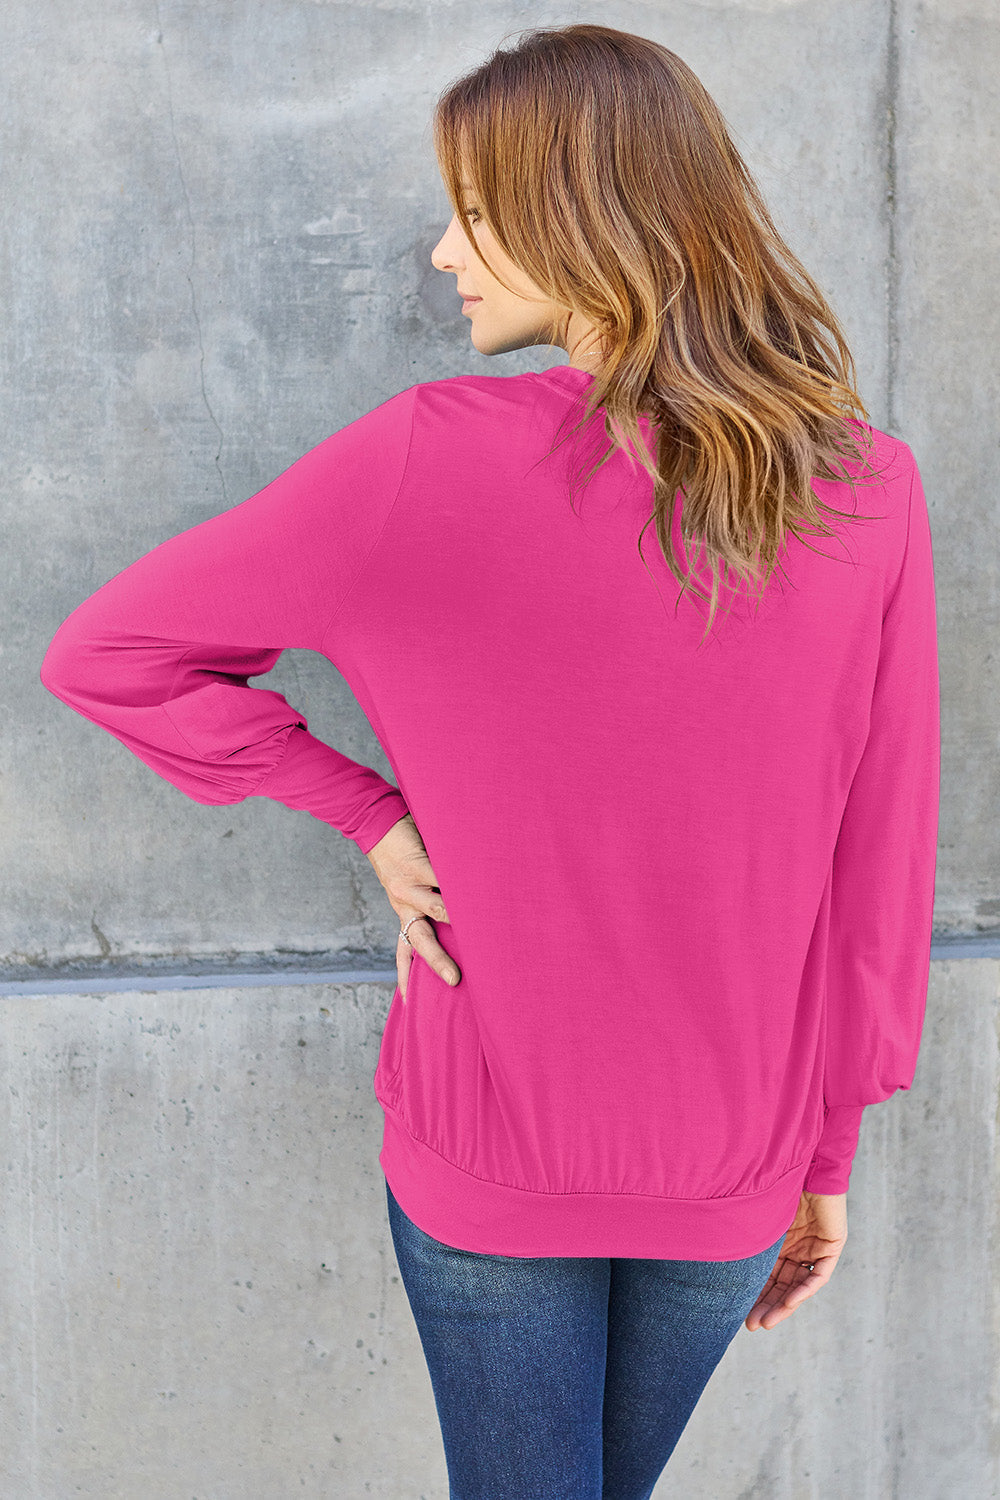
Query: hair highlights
{"x": 607, "y": 173}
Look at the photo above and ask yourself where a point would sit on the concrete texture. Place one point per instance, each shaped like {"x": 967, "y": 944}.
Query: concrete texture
{"x": 217, "y": 224}
{"x": 945, "y": 328}
{"x": 202, "y": 1298}
{"x": 221, "y": 223}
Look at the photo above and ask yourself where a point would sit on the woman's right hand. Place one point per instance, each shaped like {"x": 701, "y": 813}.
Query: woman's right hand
{"x": 401, "y": 863}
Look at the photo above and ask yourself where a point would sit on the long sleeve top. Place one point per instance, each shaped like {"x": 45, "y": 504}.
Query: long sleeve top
{"x": 689, "y": 881}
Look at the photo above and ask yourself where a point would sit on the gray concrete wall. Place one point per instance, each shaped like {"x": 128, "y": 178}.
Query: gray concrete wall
{"x": 201, "y": 1295}
{"x": 218, "y": 222}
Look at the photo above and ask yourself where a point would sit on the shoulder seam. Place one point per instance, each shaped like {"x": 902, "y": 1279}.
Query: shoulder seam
{"x": 414, "y": 389}
{"x": 906, "y": 543}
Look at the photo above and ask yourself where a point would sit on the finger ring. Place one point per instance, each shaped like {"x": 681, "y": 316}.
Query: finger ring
{"x": 808, "y": 1265}
{"x": 402, "y": 932}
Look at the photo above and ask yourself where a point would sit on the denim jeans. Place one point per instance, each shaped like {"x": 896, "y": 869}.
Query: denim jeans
{"x": 567, "y": 1378}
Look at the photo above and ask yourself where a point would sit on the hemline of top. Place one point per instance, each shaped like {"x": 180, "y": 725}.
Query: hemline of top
{"x": 488, "y": 1218}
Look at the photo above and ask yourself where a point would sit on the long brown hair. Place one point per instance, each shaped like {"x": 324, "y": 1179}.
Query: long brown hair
{"x": 607, "y": 174}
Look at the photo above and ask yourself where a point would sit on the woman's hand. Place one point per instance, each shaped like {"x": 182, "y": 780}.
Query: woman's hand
{"x": 400, "y": 861}
{"x": 817, "y": 1236}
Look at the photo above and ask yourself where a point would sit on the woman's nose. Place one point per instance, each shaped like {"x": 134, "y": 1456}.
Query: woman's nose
{"x": 443, "y": 255}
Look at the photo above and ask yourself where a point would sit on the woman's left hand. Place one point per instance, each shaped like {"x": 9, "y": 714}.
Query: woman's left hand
{"x": 817, "y": 1236}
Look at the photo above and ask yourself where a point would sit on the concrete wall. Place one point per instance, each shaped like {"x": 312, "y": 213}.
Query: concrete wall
{"x": 202, "y": 1300}
{"x": 218, "y": 223}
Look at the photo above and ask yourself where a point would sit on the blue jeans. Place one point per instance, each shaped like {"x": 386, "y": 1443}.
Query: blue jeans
{"x": 567, "y": 1378}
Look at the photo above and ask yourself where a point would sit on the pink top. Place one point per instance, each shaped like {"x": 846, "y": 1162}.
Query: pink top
{"x": 690, "y": 886}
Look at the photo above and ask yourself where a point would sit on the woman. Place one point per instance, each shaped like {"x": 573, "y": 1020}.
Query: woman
{"x": 665, "y": 891}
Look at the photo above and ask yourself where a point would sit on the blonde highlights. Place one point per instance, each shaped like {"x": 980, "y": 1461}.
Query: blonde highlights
{"x": 607, "y": 174}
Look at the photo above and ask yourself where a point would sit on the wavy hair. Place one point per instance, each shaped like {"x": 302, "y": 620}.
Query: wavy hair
{"x": 607, "y": 174}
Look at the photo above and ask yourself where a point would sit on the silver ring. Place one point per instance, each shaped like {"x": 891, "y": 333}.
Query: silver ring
{"x": 402, "y": 930}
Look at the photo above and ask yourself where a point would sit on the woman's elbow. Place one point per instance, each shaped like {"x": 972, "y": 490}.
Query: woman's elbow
{"x": 63, "y": 668}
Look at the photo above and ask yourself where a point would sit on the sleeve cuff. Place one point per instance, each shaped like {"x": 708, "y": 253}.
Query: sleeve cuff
{"x": 830, "y": 1168}
{"x": 350, "y": 797}
{"x": 385, "y": 814}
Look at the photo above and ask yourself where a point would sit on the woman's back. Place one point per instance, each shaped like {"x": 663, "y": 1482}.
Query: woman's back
{"x": 689, "y": 879}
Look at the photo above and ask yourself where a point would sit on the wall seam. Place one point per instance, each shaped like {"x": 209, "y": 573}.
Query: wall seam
{"x": 892, "y": 227}
{"x": 375, "y": 968}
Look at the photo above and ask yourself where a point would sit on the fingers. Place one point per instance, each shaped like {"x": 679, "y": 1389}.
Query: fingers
{"x": 410, "y": 898}
{"x": 403, "y": 958}
{"x": 786, "y": 1289}
{"x": 422, "y": 939}
{"x": 402, "y": 865}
